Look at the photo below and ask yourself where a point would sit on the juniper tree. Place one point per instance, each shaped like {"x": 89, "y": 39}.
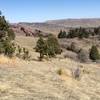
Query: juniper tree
{"x": 62, "y": 34}
{"x": 6, "y": 37}
{"x": 53, "y": 46}
{"x": 94, "y": 53}
{"x": 41, "y": 47}
{"x": 49, "y": 47}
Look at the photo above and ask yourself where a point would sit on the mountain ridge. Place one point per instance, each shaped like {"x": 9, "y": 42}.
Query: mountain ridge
{"x": 54, "y": 26}
{"x": 84, "y": 22}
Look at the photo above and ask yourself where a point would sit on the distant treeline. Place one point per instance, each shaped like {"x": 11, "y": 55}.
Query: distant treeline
{"x": 80, "y": 32}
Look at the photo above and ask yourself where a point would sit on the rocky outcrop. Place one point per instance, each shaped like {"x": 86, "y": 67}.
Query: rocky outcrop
{"x": 26, "y": 30}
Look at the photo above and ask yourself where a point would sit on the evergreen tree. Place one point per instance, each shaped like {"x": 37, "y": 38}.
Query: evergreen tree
{"x": 11, "y": 34}
{"x": 41, "y": 47}
{"x": 94, "y": 53}
{"x": 6, "y": 37}
{"x": 49, "y": 47}
{"x": 62, "y": 34}
{"x": 78, "y": 32}
{"x": 3, "y": 24}
{"x": 53, "y": 46}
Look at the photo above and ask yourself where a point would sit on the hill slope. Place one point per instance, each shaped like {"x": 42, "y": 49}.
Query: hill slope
{"x": 90, "y": 22}
{"x": 34, "y": 80}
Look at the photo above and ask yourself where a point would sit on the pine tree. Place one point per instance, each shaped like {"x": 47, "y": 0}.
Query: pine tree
{"x": 62, "y": 34}
{"x": 94, "y": 53}
{"x": 78, "y": 32}
{"x": 11, "y": 34}
{"x": 49, "y": 47}
{"x": 6, "y": 37}
{"x": 41, "y": 47}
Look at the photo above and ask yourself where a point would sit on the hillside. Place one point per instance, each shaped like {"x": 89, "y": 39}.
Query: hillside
{"x": 90, "y": 22}
{"x": 50, "y": 50}
{"x": 52, "y": 78}
{"x": 34, "y": 80}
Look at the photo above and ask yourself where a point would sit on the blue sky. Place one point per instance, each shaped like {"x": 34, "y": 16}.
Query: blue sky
{"x": 42, "y": 10}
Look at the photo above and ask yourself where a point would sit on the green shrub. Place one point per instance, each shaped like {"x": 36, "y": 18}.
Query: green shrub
{"x": 53, "y": 46}
{"x": 2, "y": 49}
{"x": 60, "y": 72}
{"x": 19, "y": 50}
{"x": 9, "y": 48}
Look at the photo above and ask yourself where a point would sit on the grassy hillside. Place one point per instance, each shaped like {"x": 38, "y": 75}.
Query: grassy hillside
{"x": 34, "y": 80}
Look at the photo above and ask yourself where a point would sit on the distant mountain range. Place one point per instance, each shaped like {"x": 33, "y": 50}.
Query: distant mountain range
{"x": 90, "y": 22}
{"x": 54, "y": 26}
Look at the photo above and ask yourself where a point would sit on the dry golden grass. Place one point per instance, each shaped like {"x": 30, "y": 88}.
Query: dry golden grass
{"x": 4, "y": 87}
{"x": 12, "y": 62}
{"x": 34, "y": 80}
{"x": 6, "y": 60}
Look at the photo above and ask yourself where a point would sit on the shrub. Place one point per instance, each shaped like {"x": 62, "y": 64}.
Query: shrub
{"x": 94, "y": 53}
{"x": 73, "y": 48}
{"x": 63, "y": 71}
{"x": 60, "y": 72}
{"x": 26, "y": 54}
{"x": 19, "y": 50}
{"x": 82, "y": 56}
{"x": 53, "y": 46}
{"x": 9, "y": 48}
{"x": 23, "y": 53}
{"x": 2, "y": 49}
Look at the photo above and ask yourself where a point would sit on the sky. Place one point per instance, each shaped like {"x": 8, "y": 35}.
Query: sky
{"x": 42, "y": 10}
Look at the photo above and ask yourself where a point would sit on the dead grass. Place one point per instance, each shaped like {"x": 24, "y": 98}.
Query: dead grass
{"x": 4, "y": 87}
{"x": 34, "y": 80}
{"x": 6, "y": 60}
